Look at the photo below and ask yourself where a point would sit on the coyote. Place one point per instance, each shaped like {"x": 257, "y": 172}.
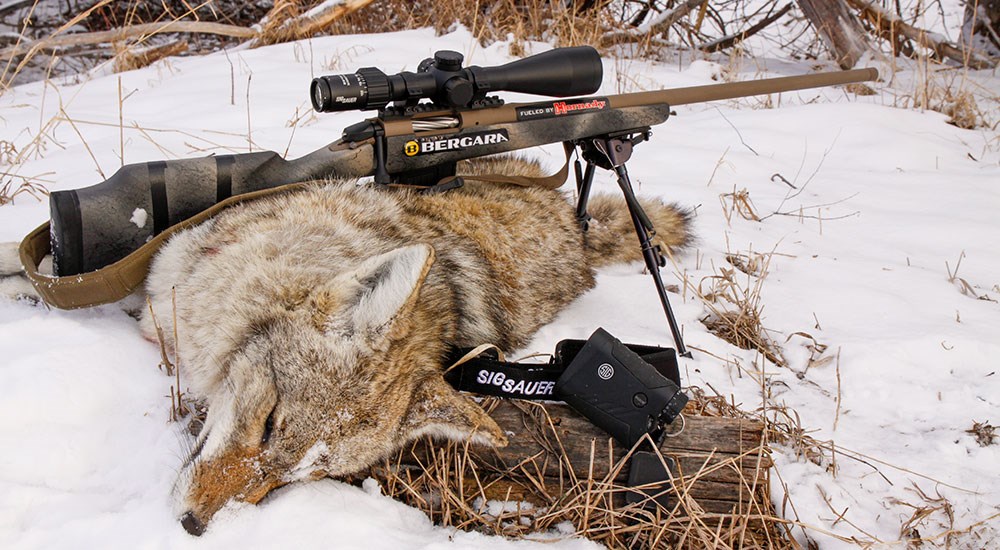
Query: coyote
{"x": 314, "y": 324}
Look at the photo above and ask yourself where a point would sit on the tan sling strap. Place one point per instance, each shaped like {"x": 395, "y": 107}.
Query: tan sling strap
{"x": 118, "y": 280}
{"x": 548, "y": 182}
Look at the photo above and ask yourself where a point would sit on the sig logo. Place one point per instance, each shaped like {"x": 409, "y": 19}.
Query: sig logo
{"x": 605, "y": 371}
{"x": 411, "y": 148}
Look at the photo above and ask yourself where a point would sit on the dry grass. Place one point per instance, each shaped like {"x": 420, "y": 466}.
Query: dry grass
{"x": 734, "y": 307}
{"x": 544, "y": 496}
{"x": 129, "y": 58}
{"x": 490, "y": 21}
{"x": 986, "y": 434}
{"x": 181, "y": 404}
{"x": 12, "y": 183}
{"x": 967, "y": 103}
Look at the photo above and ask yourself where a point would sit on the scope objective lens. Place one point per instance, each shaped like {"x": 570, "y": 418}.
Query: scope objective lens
{"x": 338, "y": 92}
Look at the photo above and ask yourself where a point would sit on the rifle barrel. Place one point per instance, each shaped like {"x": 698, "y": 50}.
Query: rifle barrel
{"x": 714, "y": 92}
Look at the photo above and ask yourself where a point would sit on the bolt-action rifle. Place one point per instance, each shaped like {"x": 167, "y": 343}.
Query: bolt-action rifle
{"x": 427, "y": 121}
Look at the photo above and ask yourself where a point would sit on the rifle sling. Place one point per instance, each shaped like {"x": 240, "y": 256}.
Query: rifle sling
{"x": 548, "y": 182}
{"x": 118, "y": 280}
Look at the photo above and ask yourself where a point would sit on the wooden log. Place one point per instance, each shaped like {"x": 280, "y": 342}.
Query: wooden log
{"x": 720, "y": 463}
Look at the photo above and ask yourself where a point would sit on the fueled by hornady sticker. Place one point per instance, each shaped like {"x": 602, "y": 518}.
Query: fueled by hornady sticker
{"x": 440, "y": 144}
{"x": 560, "y": 108}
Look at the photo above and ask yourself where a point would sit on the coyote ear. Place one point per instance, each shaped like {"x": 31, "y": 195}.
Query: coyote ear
{"x": 385, "y": 287}
{"x": 438, "y": 410}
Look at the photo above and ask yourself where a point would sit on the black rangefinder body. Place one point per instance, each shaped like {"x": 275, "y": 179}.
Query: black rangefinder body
{"x": 626, "y": 394}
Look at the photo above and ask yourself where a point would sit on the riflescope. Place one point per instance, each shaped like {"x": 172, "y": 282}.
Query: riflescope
{"x": 561, "y": 72}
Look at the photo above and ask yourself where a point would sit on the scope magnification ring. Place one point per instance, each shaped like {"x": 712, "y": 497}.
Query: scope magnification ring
{"x": 376, "y": 84}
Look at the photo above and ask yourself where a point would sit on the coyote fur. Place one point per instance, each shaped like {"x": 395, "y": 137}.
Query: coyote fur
{"x": 314, "y": 324}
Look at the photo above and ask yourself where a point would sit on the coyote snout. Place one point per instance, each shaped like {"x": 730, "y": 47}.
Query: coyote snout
{"x": 314, "y": 324}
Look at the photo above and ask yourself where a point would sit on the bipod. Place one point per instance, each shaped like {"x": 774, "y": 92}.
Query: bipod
{"x": 611, "y": 152}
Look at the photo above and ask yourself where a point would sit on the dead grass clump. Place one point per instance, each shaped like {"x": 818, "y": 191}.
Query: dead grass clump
{"x": 131, "y": 58}
{"x": 553, "y": 492}
{"x": 857, "y": 88}
{"x": 986, "y": 434}
{"x": 954, "y": 96}
{"x": 738, "y": 203}
{"x": 559, "y": 23}
{"x": 734, "y": 310}
{"x": 750, "y": 264}
{"x": 743, "y": 329}
{"x": 961, "y": 284}
{"x": 960, "y": 107}
{"x": 9, "y": 189}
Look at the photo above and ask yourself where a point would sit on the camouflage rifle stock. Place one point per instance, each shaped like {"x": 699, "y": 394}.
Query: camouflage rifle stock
{"x": 100, "y": 254}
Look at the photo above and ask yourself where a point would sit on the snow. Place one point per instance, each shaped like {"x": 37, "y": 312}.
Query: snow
{"x": 139, "y": 217}
{"x": 884, "y": 198}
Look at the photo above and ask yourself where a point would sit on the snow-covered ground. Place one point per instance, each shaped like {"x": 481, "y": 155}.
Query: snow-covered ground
{"x": 884, "y": 198}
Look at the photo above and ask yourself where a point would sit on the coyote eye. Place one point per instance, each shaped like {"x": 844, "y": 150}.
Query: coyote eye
{"x": 268, "y": 427}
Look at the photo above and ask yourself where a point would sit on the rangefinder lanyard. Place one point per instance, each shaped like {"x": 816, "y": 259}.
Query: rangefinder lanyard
{"x": 628, "y": 390}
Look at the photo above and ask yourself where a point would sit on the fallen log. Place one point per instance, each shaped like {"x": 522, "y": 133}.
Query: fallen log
{"x": 120, "y": 34}
{"x": 558, "y": 466}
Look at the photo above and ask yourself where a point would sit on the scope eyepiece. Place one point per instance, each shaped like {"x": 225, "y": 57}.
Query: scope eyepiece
{"x": 561, "y": 72}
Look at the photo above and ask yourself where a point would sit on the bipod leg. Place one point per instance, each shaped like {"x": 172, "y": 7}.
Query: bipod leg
{"x": 584, "y": 181}
{"x": 612, "y": 152}
{"x": 650, "y": 254}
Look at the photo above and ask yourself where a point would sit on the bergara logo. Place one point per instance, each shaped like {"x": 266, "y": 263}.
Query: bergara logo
{"x": 438, "y": 144}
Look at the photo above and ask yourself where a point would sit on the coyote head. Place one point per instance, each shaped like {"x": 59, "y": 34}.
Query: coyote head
{"x": 327, "y": 384}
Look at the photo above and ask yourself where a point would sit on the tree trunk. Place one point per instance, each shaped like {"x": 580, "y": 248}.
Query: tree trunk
{"x": 840, "y": 30}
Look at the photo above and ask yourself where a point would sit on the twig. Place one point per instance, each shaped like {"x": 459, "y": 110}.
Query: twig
{"x": 733, "y": 39}
{"x": 77, "y": 130}
{"x": 836, "y": 417}
{"x": 657, "y": 25}
{"x": 249, "y": 127}
{"x": 745, "y": 144}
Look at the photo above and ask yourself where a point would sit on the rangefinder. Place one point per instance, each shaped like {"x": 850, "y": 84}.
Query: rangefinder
{"x": 619, "y": 390}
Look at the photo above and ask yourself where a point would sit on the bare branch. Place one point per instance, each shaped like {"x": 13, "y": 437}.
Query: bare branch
{"x": 736, "y": 38}
{"x": 940, "y": 45}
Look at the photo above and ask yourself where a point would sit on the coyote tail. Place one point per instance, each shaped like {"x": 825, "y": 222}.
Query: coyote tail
{"x": 611, "y": 238}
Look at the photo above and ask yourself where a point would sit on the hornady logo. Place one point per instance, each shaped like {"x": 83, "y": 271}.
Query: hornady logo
{"x": 563, "y": 108}
{"x": 560, "y": 108}
{"x": 515, "y": 387}
{"x": 439, "y": 144}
